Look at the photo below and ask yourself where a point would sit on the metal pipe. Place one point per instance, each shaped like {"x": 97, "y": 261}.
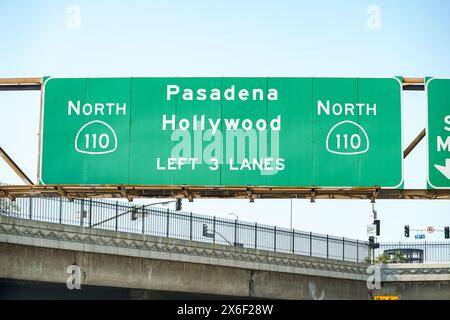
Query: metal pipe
{"x": 413, "y": 84}
{"x": 15, "y": 167}
{"x": 25, "y": 87}
{"x": 414, "y": 143}
{"x": 413, "y": 80}
{"x": 20, "y": 81}
{"x": 19, "y": 84}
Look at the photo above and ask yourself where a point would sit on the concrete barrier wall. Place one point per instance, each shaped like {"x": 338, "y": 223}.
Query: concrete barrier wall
{"x": 49, "y": 265}
{"x": 40, "y": 251}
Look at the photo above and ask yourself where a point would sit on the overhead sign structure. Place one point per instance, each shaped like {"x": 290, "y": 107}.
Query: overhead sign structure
{"x": 326, "y": 132}
{"x": 438, "y": 130}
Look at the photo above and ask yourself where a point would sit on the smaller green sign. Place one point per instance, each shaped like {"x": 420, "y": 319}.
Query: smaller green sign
{"x": 438, "y": 131}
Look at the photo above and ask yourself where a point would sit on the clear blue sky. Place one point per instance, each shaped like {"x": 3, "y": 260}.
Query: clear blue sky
{"x": 234, "y": 38}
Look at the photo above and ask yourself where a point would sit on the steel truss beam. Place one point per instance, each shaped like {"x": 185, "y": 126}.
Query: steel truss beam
{"x": 192, "y": 192}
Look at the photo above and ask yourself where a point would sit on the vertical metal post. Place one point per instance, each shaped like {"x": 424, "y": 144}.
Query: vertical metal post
{"x": 357, "y": 251}
{"x": 293, "y": 241}
{"x": 143, "y": 221}
{"x": 425, "y": 252}
{"x": 60, "y": 210}
{"x": 117, "y": 214}
{"x": 82, "y": 212}
{"x": 373, "y": 254}
{"x": 90, "y": 212}
{"x": 343, "y": 248}
{"x": 167, "y": 224}
{"x": 235, "y": 231}
{"x": 214, "y": 229}
{"x": 291, "y": 217}
{"x": 190, "y": 227}
{"x": 310, "y": 243}
{"x": 327, "y": 247}
{"x": 275, "y": 238}
{"x": 30, "y": 207}
{"x": 256, "y": 235}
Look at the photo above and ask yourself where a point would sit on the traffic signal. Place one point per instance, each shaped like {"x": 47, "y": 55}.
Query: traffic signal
{"x": 447, "y": 232}
{"x": 372, "y": 244}
{"x": 178, "y": 205}
{"x": 377, "y": 224}
{"x": 407, "y": 231}
{"x": 205, "y": 230}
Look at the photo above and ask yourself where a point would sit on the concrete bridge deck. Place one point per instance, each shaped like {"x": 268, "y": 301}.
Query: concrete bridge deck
{"x": 41, "y": 252}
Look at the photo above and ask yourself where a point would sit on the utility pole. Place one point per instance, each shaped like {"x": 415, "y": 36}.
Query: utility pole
{"x": 374, "y": 212}
{"x": 373, "y": 230}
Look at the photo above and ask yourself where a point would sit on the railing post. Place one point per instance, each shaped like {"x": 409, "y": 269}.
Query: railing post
{"x": 357, "y": 250}
{"x": 256, "y": 235}
{"x": 214, "y": 229}
{"x": 275, "y": 238}
{"x": 117, "y": 215}
{"x": 143, "y": 221}
{"x": 327, "y": 247}
{"x": 190, "y": 227}
{"x": 167, "y": 230}
{"x": 235, "y": 231}
{"x": 310, "y": 244}
{"x": 60, "y": 210}
{"x": 30, "y": 213}
{"x": 293, "y": 241}
{"x": 90, "y": 212}
{"x": 425, "y": 252}
{"x": 82, "y": 212}
{"x": 343, "y": 248}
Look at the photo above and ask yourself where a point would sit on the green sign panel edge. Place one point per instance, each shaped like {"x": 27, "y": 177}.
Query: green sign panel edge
{"x": 428, "y": 80}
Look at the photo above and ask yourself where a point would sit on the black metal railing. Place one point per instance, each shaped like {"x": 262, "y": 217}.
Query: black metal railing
{"x": 417, "y": 251}
{"x": 159, "y": 221}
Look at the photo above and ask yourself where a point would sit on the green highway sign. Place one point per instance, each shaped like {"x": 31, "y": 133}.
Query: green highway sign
{"x": 438, "y": 131}
{"x": 325, "y": 132}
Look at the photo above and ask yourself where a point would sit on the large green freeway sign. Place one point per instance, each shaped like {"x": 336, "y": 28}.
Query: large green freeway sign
{"x": 438, "y": 105}
{"x": 325, "y": 132}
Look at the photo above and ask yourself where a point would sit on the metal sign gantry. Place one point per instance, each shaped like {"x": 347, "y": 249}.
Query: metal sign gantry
{"x": 190, "y": 192}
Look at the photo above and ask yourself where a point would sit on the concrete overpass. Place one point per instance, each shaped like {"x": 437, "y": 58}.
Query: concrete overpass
{"x": 41, "y": 252}
{"x": 37, "y": 254}
{"x": 416, "y": 281}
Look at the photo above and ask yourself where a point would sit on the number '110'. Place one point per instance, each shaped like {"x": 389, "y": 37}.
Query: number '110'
{"x": 92, "y": 141}
{"x": 355, "y": 141}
